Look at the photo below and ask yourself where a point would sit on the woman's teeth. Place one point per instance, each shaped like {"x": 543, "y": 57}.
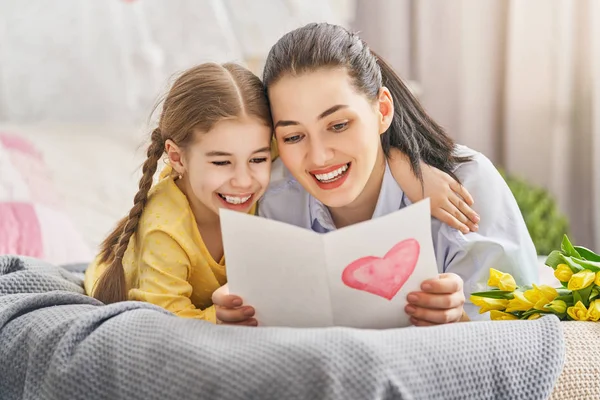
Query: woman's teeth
{"x": 235, "y": 199}
{"x": 333, "y": 175}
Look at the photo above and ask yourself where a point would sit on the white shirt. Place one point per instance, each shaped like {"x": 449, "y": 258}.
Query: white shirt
{"x": 502, "y": 241}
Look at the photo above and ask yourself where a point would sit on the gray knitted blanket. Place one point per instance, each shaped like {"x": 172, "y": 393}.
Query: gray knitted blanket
{"x": 57, "y": 343}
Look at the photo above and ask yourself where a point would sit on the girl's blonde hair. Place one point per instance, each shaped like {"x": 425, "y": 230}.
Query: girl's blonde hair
{"x": 199, "y": 98}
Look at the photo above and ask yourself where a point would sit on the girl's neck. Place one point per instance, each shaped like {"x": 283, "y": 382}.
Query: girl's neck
{"x": 363, "y": 207}
{"x": 205, "y": 217}
{"x": 207, "y": 221}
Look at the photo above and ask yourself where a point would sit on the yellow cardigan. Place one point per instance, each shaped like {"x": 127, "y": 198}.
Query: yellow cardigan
{"x": 167, "y": 262}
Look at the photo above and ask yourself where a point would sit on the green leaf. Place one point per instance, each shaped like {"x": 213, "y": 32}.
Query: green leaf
{"x": 554, "y": 259}
{"x": 587, "y": 253}
{"x": 495, "y": 294}
{"x": 594, "y": 293}
{"x": 529, "y": 313}
{"x": 584, "y": 264}
{"x": 568, "y": 249}
{"x": 585, "y": 295}
{"x": 567, "y": 298}
{"x": 582, "y": 295}
{"x": 576, "y": 264}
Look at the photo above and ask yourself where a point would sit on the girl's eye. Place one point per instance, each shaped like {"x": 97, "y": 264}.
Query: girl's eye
{"x": 293, "y": 139}
{"x": 259, "y": 160}
{"x": 221, "y": 163}
{"x": 339, "y": 127}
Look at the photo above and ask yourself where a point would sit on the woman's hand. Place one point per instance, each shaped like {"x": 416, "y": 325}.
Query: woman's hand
{"x": 440, "y": 301}
{"x": 450, "y": 201}
{"x": 231, "y": 309}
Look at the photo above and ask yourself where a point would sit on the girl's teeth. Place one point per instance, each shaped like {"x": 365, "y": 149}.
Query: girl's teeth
{"x": 331, "y": 175}
{"x": 236, "y": 200}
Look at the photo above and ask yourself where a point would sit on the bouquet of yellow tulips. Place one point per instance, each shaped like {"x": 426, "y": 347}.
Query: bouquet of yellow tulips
{"x": 578, "y": 270}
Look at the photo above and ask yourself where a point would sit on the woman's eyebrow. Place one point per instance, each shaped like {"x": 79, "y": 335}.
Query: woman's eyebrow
{"x": 325, "y": 113}
{"x": 331, "y": 110}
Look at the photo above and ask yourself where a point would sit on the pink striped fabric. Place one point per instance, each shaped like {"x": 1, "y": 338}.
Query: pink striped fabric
{"x": 20, "y": 231}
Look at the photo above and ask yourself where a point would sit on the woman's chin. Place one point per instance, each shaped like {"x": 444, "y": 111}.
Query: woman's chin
{"x": 340, "y": 197}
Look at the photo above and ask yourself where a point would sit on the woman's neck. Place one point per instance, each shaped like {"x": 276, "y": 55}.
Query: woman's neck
{"x": 363, "y": 207}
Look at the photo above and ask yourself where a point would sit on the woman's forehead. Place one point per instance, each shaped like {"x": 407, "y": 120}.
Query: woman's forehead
{"x": 311, "y": 93}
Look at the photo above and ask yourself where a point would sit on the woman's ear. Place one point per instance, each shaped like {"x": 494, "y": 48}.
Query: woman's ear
{"x": 385, "y": 109}
{"x": 175, "y": 155}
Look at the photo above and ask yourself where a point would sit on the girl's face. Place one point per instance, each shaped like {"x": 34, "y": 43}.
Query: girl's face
{"x": 328, "y": 134}
{"x": 226, "y": 167}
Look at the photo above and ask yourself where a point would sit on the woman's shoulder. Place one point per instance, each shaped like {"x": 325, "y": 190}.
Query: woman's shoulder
{"x": 285, "y": 199}
{"x": 493, "y": 198}
{"x": 477, "y": 170}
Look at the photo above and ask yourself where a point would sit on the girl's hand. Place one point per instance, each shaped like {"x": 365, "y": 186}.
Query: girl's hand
{"x": 440, "y": 301}
{"x": 450, "y": 201}
{"x": 231, "y": 309}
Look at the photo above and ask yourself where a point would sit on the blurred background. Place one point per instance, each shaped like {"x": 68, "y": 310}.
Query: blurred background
{"x": 518, "y": 80}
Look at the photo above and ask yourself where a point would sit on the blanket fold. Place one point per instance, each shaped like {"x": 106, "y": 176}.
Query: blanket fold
{"x": 57, "y": 343}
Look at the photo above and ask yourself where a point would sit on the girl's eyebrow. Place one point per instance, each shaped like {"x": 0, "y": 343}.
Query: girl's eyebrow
{"x": 217, "y": 153}
{"x": 325, "y": 113}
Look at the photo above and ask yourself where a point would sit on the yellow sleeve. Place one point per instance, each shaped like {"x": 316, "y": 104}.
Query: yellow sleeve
{"x": 164, "y": 268}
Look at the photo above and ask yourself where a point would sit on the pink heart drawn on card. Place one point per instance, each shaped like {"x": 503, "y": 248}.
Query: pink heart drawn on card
{"x": 383, "y": 276}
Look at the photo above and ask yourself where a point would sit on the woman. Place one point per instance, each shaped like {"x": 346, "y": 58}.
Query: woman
{"x": 344, "y": 124}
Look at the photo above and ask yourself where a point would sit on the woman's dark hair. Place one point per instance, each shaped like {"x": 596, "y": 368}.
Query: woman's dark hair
{"x": 322, "y": 45}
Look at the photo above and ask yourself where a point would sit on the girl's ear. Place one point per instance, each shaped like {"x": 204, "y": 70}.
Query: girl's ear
{"x": 385, "y": 109}
{"x": 175, "y": 155}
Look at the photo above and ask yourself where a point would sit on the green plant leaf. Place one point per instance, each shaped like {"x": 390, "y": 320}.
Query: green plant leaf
{"x": 567, "y": 298}
{"x": 576, "y": 297}
{"x": 529, "y": 313}
{"x": 587, "y": 253}
{"x": 556, "y": 257}
{"x": 594, "y": 293}
{"x": 495, "y": 294}
{"x": 568, "y": 249}
{"x": 545, "y": 222}
{"x": 583, "y": 295}
{"x": 584, "y": 264}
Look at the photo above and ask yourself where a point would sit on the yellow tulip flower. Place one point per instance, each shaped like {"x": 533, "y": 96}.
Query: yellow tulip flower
{"x": 534, "y": 316}
{"x": 496, "y": 315}
{"x": 557, "y": 307}
{"x": 501, "y": 280}
{"x": 581, "y": 280}
{"x": 540, "y": 296}
{"x": 597, "y": 280}
{"x": 519, "y": 303}
{"x": 578, "y": 312}
{"x": 488, "y": 304}
{"x": 593, "y": 313}
{"x": 563, "y": 272}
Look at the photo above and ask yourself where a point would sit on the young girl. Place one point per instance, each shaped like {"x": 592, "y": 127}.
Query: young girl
{"x": 345, "y": 124}
{"x": 215, "y": 129}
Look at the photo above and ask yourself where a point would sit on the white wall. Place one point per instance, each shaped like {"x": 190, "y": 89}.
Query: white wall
{"x": 107, "y": 61}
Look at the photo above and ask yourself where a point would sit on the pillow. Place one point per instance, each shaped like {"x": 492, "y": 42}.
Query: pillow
{"x": 32, "y": 221}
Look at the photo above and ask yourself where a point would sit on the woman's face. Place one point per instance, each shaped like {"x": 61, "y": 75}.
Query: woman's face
{"x": 328, "y": 134}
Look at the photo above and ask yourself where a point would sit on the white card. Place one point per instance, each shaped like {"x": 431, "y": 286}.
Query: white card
{"x": 357, "y": 276}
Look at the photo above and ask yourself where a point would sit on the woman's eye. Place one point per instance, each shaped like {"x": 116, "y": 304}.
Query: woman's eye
{"x": 339, "y": 127}
{"x": 221, "y": 163}
{"x": 259, "y": 160}
{"x": 293, "y": 139}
